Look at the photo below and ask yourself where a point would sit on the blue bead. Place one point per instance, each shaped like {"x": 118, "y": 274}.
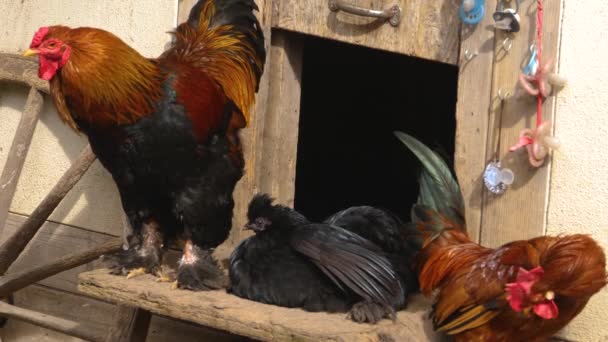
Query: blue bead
{"x": 475, "y": 15}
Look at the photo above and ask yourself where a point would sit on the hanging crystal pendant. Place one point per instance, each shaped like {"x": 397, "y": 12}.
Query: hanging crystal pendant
{"x": 497, "y": 178}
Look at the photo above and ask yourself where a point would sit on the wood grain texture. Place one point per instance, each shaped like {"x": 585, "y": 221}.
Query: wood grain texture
{"x": 130, "y": 325}
{"x": 280, "y": 139}
{"x": 472, "y": 115}
{"x": 219, "y": 310}
{"x": 251, "y": 137}
{"x": 19, "y": 148}
{"x": 94, "y": 314}
{"x": 55, "y": 323}
{"x": 429, "y": 28}
{"x": 16, "y": 243}
{"x": 520, "y": 213}
{"x": 54, "y": 241}
{"x": 98, "y": 316}
{"x": 14, "y": 281}
{"x": 21, "y": 70}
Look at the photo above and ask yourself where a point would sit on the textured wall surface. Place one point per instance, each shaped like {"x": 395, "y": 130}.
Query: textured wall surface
{"x": 578, "y": 201}
{"x": 94, "y": 203}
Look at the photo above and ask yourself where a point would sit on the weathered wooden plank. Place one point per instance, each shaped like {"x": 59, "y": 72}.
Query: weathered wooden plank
{"x": 520, "y": 213}
{"x": 14, "y": 281}
{"x": 53, "y": 241}
{"x": 429, "y": 28}
{"x": 19, "y": 331}
{"x": 98, "y": 315}
{"x": 472, "y": 114}
{"x": 21, "y": 70}
{"x": 130, "y": 325}
{"x": 280, "y": 138}
{"x": 16, "y": 243}
{"x": 251, "y": 137}
{"x": 16, "y": 69}
{"x": 72, "y": 328}
{"x": 56, "y": 240}
{"x": 219, "y": 310}
{"x": 94, "y": 314}
{"x": 18, "y": 152}
{"x": 165, "y": 329}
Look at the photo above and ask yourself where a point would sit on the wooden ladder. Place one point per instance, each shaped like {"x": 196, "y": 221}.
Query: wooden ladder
{"x": 131, "y": 323}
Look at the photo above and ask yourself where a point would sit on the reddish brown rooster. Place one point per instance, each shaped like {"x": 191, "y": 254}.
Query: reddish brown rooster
{"x": 166, "y": 128}
{"x": 521, "y": 291}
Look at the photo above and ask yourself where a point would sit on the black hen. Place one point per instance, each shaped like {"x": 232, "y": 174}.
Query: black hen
{"x": 399, "y": 242}
{"x": 294, "y": 263}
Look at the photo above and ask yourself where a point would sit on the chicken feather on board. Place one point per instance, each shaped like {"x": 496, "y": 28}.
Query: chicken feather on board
{"x": 522, "y": 291}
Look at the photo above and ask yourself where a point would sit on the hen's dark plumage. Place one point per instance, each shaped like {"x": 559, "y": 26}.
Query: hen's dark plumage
{"x": 399, "y": 242}
{"x": 319, "y": 267}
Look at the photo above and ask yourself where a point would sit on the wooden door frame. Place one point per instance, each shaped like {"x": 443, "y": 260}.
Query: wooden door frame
{"x": 521, "y": 212}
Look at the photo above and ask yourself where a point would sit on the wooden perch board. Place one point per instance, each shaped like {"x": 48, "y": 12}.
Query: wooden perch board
{"x": 219, "y": 310}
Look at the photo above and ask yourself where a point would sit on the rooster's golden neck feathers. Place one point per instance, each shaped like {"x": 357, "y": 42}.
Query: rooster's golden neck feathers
{"x": 110, "y": 82}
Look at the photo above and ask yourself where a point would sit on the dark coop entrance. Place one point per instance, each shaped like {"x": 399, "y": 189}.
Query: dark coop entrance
{"x": 353, "y": 98}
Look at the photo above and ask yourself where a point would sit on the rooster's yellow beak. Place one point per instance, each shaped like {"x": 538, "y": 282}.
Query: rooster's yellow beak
{"x": 30, "y": 52}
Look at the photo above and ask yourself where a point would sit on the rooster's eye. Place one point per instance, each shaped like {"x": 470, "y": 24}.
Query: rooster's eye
{"x": 51, "y": 45}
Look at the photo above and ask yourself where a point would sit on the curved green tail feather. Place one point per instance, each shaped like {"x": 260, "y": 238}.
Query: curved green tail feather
{"x": 439, "y": 190}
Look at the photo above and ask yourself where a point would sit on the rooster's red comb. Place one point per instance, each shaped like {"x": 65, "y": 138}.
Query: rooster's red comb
{"x": 518, "y": 294}
{"x": 39, "y": 37}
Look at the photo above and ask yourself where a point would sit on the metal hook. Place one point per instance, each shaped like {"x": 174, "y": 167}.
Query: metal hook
{"x": 468, "y": 55}
{"x": 507, "y": 19}
{"x": 501, "y": 7}
{"x": 503, "y": 96}
{"x": 507, "y": 44}
{"x": 516, "y": 5}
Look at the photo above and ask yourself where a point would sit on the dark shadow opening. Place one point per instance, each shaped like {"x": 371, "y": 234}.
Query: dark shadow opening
{"x": 353, "y": 98}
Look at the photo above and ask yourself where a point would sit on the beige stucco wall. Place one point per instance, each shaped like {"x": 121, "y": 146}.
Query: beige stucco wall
{"x": 578, "y": 199}
{"x": 94, "y": 203}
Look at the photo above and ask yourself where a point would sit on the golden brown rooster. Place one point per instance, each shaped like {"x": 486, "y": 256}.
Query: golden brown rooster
{"x": 521, "y": 291}
{"x": 165, "y": 128}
